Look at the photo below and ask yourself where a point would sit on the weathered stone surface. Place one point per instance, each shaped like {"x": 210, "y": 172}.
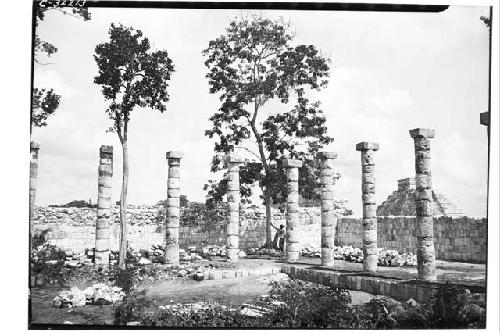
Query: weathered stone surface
{"x": 291, "y": 163}
{"x": 403, "y": 201}
{"x": 34, "y": 147}
{"x": 233, "y": 204}
{"x": 424, "y": 196}
{"x": 367, "y": 150}
{"x": 367, "y": 146}
{"x": 291, "y": 248}
{"x": 104, "y": 192}
{"x": 328, "y": 218}
{"x": 172, "y": 221}
{"x": 484, "y": 118}
{"x": 422, "y": 132}
{"x": 174, "y": 155}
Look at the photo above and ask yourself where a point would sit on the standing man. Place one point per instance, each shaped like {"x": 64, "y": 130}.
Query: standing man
{"x": 280, "y": 236}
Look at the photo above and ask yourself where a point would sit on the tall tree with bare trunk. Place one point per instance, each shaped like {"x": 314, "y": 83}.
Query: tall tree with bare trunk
{"x": 131, "y": 76}
{"x": 253, "y": 63}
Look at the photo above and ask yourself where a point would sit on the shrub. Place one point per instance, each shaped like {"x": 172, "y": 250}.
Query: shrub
{"x": 133, "y": 308}
{"x": 448, "y": 308}
{"x": 54, "y": 272}
{"x": 124, "y": 278}
{"x": 211, "y": 314}
{"x": 39, "y": 238}
{"x": 306, "y": 305}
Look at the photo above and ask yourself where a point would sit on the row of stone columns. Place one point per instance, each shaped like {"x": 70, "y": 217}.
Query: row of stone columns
{"x": 425, "y": 232}
{"x": 425, "y": 251}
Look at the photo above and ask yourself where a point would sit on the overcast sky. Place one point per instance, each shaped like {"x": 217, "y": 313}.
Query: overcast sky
{"x": 390, "y": 72}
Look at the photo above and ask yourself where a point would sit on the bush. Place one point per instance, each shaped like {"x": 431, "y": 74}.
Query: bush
{"x": 300, "y": 304}
{"x": 448, "y": 308}
{"x": 39, "y": 238}
{"x": 133, "y": 308}
{"x": 306, "y": 305}
{"x": 124, "y": 278}
{"x": 210, "y": 315}
{"x": 54, "y": 272}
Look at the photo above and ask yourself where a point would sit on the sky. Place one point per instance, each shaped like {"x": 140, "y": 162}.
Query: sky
{"x": 390, "y": 72}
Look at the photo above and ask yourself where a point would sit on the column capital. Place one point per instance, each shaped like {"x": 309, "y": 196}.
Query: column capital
{"x": 236, "y": 159}
{"x": 484, "y": 118}
{"x": 422, "y": 133}
{"x": 325, "y": 155}
{"x": 291, "y": 163}
{"x": 105, "y": 150}
{"x": 174, "y": 155}
{"x": 34, "y": 145}
{"x": 367, "y": 146}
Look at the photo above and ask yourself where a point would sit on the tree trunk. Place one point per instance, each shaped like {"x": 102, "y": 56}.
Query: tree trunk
{"x": 269, "y": 230}
{"x": 123, "y": 209}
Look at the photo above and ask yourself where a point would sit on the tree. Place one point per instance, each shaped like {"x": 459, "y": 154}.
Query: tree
{"x": 252, "y": 64}
{"x": 45, "y": 102}
{"x": 131, "y": 76}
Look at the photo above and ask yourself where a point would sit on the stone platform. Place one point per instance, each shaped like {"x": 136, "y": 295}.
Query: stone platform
{"x": 399, "y": 283}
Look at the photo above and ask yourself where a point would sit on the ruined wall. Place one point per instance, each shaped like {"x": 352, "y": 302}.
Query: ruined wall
{"x": 462, "y": 238}
{"x": 74, "y": 228}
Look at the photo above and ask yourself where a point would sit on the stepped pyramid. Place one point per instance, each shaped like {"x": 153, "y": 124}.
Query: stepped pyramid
{"x": 402, "y": 202}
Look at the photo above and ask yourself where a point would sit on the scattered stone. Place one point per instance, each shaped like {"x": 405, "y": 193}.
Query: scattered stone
{"x": 144, "y": 261}
{"x": 199, "y": 276}
{"x": 133, "y": 323}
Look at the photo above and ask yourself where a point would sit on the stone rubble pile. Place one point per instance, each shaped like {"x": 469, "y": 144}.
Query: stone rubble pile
{"x": 264, "y": 251}
{"x": 354, "y": 254}
{"x": 208, "y": 251}
{"x": 98, "y": 294}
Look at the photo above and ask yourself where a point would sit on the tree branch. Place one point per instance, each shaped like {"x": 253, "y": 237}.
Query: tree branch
{"x": 251, "y": 152}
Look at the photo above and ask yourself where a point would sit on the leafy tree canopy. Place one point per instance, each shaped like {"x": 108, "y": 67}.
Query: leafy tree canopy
{"x": 131, "y": 75}
{"x": 254, "y": 62}
{"x": 45, "y": 101}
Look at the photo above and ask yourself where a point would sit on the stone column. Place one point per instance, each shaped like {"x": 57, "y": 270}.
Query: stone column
{"x": 104, "y": 205}
{"x": 173, "y": 207}
{"x": 34, "y": 147}
{"x": 233, "y": 204}
{"x": 484, "y": 119}
{"x": 370, "y": 247}
{"x": 292, "y": 246}
{"x": 328, "y": 216}
{"x": 425, "y": 222}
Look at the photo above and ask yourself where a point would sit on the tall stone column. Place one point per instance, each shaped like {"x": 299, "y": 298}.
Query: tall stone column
{"x": 484, "y": 119}
{"x": 425, "y": 222}
{"x": 370, "y": 249}
{"x": 104, "y": 205}
{"x": 292, "y": 246}
{"x": 173, "y": 207}
{"x": 233, "y": 204}
{"x": 34, "y": 147}
{"x": 328, "y": 216}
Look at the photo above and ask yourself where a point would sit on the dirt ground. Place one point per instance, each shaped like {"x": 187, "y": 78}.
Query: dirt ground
{"x": 231, "y": 292}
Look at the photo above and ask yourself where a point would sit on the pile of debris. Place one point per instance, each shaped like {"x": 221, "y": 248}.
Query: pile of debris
{"x": 98, "y": 294}
{"x": 156, "y": 254}
{"x": 264, "y": 251}
{"x": 394, "y": 259}
{"x": 354, "y": 254}
{"x": 209, "y": 251}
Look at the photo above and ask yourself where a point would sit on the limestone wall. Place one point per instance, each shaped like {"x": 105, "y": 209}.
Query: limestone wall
{"x": 462, "y": 238}
{"x": 74, "y": 228}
